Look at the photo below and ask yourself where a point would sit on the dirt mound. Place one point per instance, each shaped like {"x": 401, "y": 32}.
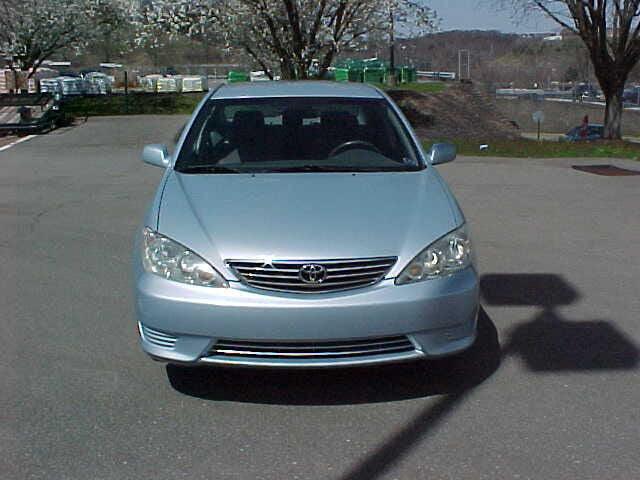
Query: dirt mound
{"x": 459, "y": 112}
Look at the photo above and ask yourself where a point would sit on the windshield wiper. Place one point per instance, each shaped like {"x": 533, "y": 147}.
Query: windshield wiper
{"x": 303, "y": 168}
{"x": 354, "y": 169}
{"x": 314, "y": 168}
{"x": 207, "y": 169}
{"x": 204, "y": 169}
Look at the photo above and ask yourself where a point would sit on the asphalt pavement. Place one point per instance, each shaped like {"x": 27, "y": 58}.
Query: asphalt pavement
{"x": 551, "y": 390}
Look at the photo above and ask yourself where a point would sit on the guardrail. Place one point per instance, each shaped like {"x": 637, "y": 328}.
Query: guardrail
{"x": 437, "y": 75}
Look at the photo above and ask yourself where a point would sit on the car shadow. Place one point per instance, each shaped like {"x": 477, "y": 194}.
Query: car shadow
{"x": 548, "y": 342}
{"x": 345, "y": 386}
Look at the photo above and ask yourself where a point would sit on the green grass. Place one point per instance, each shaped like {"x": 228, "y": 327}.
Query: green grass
{"x": 524, "y": 148}
{"x": 133, "y": 104}
{"x": 431, "y": 87}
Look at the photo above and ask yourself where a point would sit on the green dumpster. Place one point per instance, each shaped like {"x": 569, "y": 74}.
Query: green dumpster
{"x": 371, "y": 70}
{"x": 356, "y": 75}
{"x": 374, "y": 75}
{"x": 234, "y": 77}
{"x": 341, "y": 74}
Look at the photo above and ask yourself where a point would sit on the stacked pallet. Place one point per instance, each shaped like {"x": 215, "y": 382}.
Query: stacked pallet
{"x": 9, "y": 115}
{"x": 3, "y": 82}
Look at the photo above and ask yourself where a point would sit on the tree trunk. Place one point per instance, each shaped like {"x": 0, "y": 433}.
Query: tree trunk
{"x": 326, "y": 63}
{"x": 287, "y": 69}
{"x": 303, "y": 70}
{"x": 107, "y": 47}
{"x": 613, "y": 114}
{"x": 392, "y": 40}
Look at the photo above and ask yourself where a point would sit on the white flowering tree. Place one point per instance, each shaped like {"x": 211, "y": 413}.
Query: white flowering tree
{"x": 32, "y": 31}
{"x": 109, "y": 25}
{"x": 283, "y": 34}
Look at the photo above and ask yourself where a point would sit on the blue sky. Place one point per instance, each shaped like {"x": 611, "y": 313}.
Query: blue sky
{"x": 483, "y": 15}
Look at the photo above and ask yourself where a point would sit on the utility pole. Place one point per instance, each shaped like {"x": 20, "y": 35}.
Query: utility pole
{"x": 392, "y": 47}
{"x": 392, "y": 39}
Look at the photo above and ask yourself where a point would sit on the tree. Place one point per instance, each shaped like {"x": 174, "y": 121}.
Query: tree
{"x": 32, "y": 31}
{"x": 414, "y": 17}
{"x": 610, "y": 30}
{"x": 109, "y": 21}
{"x": 284, "y": 34}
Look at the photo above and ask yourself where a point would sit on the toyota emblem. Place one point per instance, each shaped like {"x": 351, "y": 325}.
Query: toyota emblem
{"x": 313, "y": 274}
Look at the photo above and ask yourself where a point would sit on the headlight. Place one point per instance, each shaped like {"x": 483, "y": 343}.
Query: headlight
{"x": 170, "y": 260}
{"x": 447, "y": 255}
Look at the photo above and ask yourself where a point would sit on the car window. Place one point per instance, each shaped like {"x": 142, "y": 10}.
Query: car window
{"x": 290, "y": 134}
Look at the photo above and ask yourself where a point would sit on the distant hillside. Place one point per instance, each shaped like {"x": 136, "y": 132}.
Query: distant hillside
{"x": 503, "y": 58}
{"x": 439, "y": 51}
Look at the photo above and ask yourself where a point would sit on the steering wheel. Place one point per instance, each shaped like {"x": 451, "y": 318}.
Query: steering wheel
{"x": 354, "y": 144}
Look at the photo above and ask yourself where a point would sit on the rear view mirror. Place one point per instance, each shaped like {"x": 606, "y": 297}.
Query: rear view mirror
{"x": 156, "y": 155}
{"x": 442, "y": 153}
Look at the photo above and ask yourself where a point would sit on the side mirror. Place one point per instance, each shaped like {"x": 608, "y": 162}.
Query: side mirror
{"x": 156, "y": 155}
{"x": 442, "y": 153}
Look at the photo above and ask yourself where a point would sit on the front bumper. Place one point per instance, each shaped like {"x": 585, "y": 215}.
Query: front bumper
{"x": 183, "y": 323}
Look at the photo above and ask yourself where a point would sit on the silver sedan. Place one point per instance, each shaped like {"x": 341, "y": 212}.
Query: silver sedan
{"x": 302, "y": 225}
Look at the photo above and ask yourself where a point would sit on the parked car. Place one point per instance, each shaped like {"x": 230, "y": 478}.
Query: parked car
{"x": 590, "y": 133}
{"x": 302, "y": 225}
{"x": 259, "y": 76}
{"x": 632, "y": 95}
{"x": 585, "y": 91}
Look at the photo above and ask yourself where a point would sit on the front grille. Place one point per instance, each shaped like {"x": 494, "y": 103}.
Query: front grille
{"x": 311, "y": 350}
{"x": 286, "y": 275}
{"x": 158, "y": 338}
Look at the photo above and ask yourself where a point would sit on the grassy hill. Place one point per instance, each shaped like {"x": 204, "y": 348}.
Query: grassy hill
{"x": 503, "y": 58}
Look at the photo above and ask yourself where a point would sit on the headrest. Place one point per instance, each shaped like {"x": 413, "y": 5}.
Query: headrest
{"x": 292, "y": 118}
{"x": 338, "y": 120}
{"x": 248, "y": 119}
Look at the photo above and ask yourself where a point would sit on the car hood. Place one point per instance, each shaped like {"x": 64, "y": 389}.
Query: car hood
{"x": 307, "y": 216}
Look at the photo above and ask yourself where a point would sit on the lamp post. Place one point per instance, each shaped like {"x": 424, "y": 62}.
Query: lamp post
{"x": 392, "y": 46}
{"x": 392, "y": 39}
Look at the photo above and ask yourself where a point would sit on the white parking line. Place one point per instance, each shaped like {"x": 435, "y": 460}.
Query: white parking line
{"x": 13, "y": 144}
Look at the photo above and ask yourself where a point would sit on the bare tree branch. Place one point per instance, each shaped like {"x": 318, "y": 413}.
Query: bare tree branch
{"x": 610, "y": 29}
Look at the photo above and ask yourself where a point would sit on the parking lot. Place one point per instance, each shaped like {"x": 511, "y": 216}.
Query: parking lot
{"x": 551, "y": 390}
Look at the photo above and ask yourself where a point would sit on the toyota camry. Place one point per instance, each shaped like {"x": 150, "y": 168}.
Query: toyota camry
{"x": 302, "y": 224}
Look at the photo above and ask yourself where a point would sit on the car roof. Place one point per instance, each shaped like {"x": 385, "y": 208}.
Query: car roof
{"x": 311, "y": 88}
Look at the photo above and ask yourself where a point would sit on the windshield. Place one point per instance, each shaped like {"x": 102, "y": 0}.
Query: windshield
{"x": 297, "y": 135}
